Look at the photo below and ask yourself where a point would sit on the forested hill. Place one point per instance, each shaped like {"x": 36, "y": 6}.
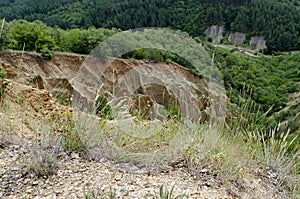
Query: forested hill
{"x": 277, "y": 20}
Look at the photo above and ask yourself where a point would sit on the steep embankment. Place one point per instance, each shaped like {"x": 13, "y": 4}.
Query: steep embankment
{"x": 126, "y": 84}
{"x": 31, "y": 118}
{"x": 30, "y": 68}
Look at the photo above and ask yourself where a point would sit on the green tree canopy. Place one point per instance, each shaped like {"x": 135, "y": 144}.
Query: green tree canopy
{"x": 33, "y": 36}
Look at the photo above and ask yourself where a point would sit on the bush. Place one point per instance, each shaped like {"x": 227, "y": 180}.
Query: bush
{"x": 34, "y": 36}
{"x": 65, "y": 126}
{"x": 46, "y": 53}
{"x": 42, "y": 163}
{"x": 63, "y": 98}
{"x": 102, "y": 109}
{"x": 174, "y": 112}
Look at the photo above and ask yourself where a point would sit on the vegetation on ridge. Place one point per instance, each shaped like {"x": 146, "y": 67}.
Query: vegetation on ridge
{"x": 36, "y": 36}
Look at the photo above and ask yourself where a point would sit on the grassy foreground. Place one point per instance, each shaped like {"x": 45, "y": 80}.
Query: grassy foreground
{"x": 233, "y": 153}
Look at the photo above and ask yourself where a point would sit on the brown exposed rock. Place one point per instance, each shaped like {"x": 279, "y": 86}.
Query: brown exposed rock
{"x": 142, "y": 104}
{"x": 120, "y": 80}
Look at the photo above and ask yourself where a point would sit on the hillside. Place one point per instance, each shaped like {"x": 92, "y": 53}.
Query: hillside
{"x": 210, "y": 104}
{"x": 267, "y": 81}
{"x": 42, "y": 155}
{"x": 278, "y": 21}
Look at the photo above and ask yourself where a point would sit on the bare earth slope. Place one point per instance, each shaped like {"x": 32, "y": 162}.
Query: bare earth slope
{"x": 31, "y": 82}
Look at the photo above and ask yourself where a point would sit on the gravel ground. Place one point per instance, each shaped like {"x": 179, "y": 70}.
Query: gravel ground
{"x": 75, "y": 175}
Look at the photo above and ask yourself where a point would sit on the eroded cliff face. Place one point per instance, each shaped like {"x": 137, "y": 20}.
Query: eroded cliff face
{"x": 258, "y": 42}
{"x": 129, "y": 85}
{"x": 237, "y": 38}
{"x": 215, "y": 32}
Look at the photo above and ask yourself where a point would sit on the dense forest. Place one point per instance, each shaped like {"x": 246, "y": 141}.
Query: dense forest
{"x": 277, "y": 20}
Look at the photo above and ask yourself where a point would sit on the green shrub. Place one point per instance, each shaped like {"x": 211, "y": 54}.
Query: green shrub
{"x": 102, "y": 109}
{"x": 42, "y": 163}
{"x": 174, "y": 112}
{"x": 46, "y": 53}
{"x": 63, "y": 98}
{"x": 65, "y": 126}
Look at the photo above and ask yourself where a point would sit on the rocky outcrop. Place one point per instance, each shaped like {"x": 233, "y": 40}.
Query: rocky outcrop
{"x": 215, "y": 33}
{"x": 258, "y": 42}
{"x": 237, "y": 38}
